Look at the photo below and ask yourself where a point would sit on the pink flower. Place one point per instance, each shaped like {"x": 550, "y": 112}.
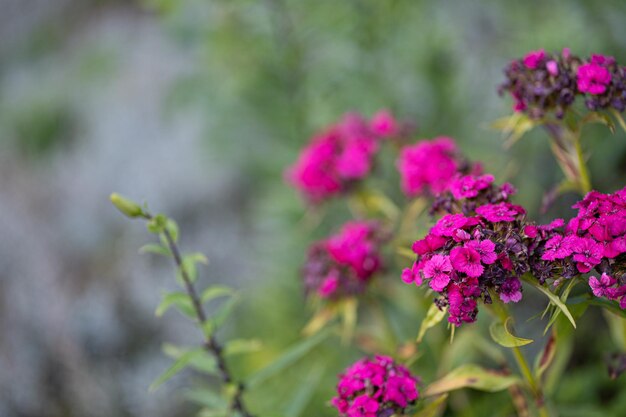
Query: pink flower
{"x": 587, "y": 254}
{"x": 373, "y": 386}
{"x": 448, "y": 224}
{"x": 486, "y": 248}
{"x": 430, "y": 243}
{"x": 466, "y": 260}
{"x": 329, "y": 285}
{"x": 427, "y": 166}
{"x": 412, "y": 275}
{"x": 602, "y": 60}
{"x": 502, "y": 212}
{"x": 593, "y": 78}
{"x": 438, "y": 269}
{"x": 602, "y": 287}
{"x": 384, "y": 124}
{"x": 557, "y": 247}
{"x": 363, "y": 406}
{"x": 511, "y": 291}
{"x": 468, "y": 186}
{"x": 553, "y": 68}
{"x": 533, "y": 58}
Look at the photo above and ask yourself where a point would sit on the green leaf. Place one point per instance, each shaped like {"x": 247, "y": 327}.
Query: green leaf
{"x": 180, "y": 364}
{"x": 289, "y": 357}
{"x": 546, "y": 356}
{"x": 156, "y": 224}
{"x": 433, "y": 317}
{"x": 304, "y": 392}
{"x": 206, "y": 397}
{"x": 501, "y": 334}
{"x": 203, "y": 361}
{"x": 238, "y": 346}
{"x": 619, "y": 118}
{"x": 215, "y": 291}
{"x": 557, "y": 302}
{"x": 471, "y": 376}
{"x": 617, "y": 327}
{"x": 179, "y": 300}
{"x": 434, "y": 408}
{"x": 156, "y": 249}
{"x": 595, "y": 117}
{"x": 514, "y": 127}
{"x": 172, "y": 227}
{"x": 348, "y": 313}
{"x": 217, "y": 319}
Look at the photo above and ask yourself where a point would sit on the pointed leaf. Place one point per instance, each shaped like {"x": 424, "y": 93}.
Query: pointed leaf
{"x": 289, "y": 357}
{"x": 619, "y": 118}
{"x": 180, "y": 364}
{"x": 179, "y": 300}
{"x": 238, "y": 346}
{"x": 471, "y": 376}
{"x": 501, "y": 334}
{"x": 557, "y": 302}
{"x": 348, "y": 312}
{"x": 304, "y": 392}
{"x": 203, "y": 361}
{"x": 216, "y": 291}
{"x": 155, "y": 248}
{"x": 545, "y": 357}
{"x": 319, "y": 320}
{"x": 433, "y": 409}
{"x": 433, "y": 317}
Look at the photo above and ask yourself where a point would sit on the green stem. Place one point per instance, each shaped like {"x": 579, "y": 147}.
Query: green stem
{"x": 535, "y": 388}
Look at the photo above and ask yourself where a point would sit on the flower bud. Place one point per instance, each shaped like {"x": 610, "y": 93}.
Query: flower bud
{"x": 126, "y": 206}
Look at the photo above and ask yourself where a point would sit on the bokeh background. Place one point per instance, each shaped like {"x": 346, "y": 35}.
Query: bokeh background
{"x": 196, "y": 106}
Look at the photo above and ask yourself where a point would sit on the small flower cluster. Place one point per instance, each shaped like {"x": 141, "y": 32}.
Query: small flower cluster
{"x": 340, "y": 156}
{"x": 343, "y": 264}
{"x": 596, "y": 239}
{"x": 464, "y": 257}
{"x": 467, "y": 192}
{"x": 540, "y": 83}
{"x": 375, "y": 388}
{"x": 430, "y": 166}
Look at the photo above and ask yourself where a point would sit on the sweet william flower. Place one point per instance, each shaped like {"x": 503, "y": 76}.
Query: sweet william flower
{"x": 593, "y": 78}
{"x": 466, "y": 260}
{"x": 438, "y": 269}
{"x": 375, "y": 387}
{"x": 602, "y": 287}
{"x": 533, "y": 58}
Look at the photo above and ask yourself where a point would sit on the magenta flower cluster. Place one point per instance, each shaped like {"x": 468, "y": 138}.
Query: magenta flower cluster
{"x": 541, "y": 82}
{"x": 429, "y": 166}
{"x": 464, "y": 257}
{"x": 374, "y": 388}
{"x": 344, "y": 263}
{"x": 340, "y": 156}
{"x": 596, "y": 239}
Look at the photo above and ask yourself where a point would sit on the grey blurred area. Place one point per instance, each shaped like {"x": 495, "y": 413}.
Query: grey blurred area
{"x": 82, "y": 87}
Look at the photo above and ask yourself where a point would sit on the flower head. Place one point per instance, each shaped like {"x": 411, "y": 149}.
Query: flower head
{"x": 343, "y": 264}
{"x": 375, "y": 387}
{"x": 428, "y": 166}
{"x": 339, "y": 156}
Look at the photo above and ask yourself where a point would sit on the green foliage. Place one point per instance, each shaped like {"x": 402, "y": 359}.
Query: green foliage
{"x": 471, "y": 376}
{"x": 501, "y": 334}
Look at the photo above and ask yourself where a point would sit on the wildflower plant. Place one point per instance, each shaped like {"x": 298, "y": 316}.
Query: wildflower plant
{"x": 454, "y": 238}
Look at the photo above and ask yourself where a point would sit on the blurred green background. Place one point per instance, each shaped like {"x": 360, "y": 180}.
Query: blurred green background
{"x": 197, "y": 106}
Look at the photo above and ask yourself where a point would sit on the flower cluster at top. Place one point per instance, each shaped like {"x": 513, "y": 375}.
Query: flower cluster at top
{"x": 541, "y": 83}
{"x": 430, "y": 166}
{"x": 375, "y": 388}
{"x": 465, "y": 257}
{"x": 343, "y": 154}
{"x": 343, "y": 264}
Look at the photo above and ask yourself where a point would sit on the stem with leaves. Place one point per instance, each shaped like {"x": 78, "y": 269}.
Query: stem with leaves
{"x": 165, "y": 227}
